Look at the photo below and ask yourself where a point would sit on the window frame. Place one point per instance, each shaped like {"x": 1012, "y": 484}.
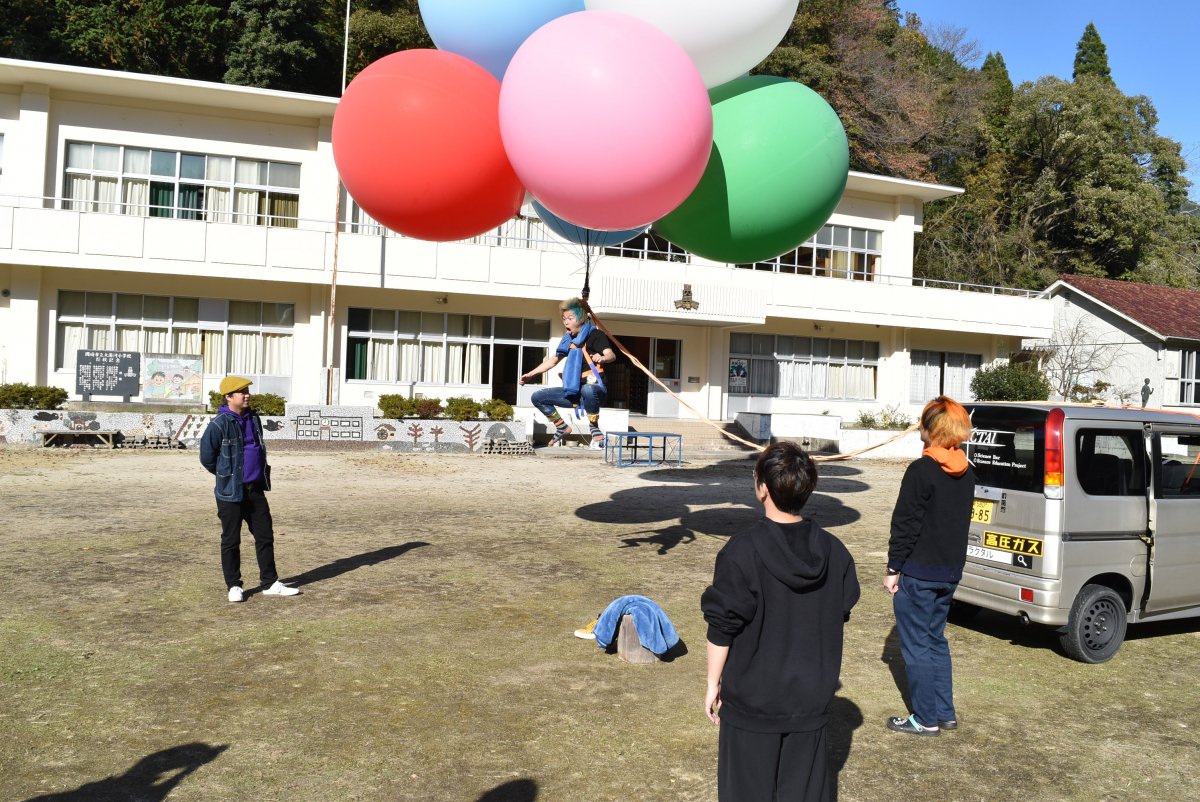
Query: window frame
{"x": 795, "y": 355}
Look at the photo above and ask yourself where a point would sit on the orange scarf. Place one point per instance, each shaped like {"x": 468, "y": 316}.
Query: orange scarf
{"x": 952, "y": 460}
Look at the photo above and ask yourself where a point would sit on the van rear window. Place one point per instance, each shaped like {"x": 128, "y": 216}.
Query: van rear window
{"x": 1007, "y": 447}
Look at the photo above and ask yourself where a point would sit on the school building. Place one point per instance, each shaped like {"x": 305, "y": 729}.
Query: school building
{"x": 165, "y": 216}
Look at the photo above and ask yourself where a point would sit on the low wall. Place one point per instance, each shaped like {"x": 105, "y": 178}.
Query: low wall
{"x": 303, "y": 422}
{"x": 907, "y": 447}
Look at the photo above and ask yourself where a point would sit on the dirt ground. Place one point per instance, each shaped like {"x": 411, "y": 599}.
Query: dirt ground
{"x": 430, "y": 655}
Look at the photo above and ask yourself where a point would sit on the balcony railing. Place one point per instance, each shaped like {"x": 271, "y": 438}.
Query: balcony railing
{"x": 520, "y": 232}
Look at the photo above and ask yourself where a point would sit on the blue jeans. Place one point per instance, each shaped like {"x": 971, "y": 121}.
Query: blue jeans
{"x": 550, "y": 397}
{"x": 921, "y": 609}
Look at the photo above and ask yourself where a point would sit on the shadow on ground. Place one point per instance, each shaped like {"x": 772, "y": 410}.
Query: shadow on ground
{"x": 151, "y": 779}
{"x": 844, "y": 718}
{"x": 515, "y": 791}
{"x": 347, "y": 564}
{"x": 725, "y": 490}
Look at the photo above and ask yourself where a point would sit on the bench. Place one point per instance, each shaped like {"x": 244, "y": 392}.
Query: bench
{"x": 629, "y": 449}
{"x": 65, "y": 438}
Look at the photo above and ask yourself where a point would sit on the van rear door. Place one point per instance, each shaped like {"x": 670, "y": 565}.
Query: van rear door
{"x": 1007, "y": 450}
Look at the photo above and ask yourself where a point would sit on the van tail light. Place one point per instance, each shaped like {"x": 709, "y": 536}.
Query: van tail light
{"x": 1054, "y": 454}
{"x": 1027, "y": 595}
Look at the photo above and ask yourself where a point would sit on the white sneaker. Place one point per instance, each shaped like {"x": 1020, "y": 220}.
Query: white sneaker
{"x": 235, "y": 594}
{"x": 280, "y": 589}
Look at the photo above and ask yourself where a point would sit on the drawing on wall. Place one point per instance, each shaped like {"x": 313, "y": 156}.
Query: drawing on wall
{"x": 318, "y": 426}
{"x": 171, "y": 377}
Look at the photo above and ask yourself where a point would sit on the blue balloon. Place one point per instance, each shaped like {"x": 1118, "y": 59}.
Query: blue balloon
{"x": 487, "y": 31}
{"x": 584, "y": 236}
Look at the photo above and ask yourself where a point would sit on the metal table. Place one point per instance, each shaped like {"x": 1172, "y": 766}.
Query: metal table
{"x": 630, "y": 449}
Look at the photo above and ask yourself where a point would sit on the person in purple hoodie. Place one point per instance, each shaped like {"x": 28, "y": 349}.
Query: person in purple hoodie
{"x": 232, "y": 449}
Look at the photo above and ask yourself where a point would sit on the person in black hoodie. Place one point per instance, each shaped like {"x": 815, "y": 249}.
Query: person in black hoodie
{"x": 926, "y": 555}
{"x": 776, "y": 610}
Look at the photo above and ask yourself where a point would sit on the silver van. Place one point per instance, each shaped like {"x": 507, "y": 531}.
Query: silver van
{"x": 1085, "y": 518}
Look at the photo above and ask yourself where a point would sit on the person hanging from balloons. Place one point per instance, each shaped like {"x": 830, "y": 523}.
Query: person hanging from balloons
{"x": 587, "y": 350}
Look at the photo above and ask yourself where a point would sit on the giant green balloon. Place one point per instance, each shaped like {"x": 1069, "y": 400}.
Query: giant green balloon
{"x": 777, "y": 171}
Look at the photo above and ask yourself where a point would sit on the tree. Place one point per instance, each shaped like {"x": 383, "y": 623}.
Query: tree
{"x": 284, "y": 44}
{"x": 30, "y": 31}
{"x": 376, "y": 32}
{"x": 1091, "y": 56}
{"x": 1013, "y": 381}
{"x": 1077, "y": 361}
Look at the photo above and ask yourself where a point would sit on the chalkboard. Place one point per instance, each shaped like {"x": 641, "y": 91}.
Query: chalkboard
{"x": 108, "y": 373}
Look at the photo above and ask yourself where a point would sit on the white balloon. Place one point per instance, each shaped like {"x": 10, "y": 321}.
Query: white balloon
{"x": 726, "y": 38}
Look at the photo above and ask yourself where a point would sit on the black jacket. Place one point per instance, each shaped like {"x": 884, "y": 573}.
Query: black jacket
{"x": 930, "y": 522}
{"x": 780, "y": 597}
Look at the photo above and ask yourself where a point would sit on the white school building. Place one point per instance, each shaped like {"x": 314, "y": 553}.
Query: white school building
{"x": 165, "y": 216}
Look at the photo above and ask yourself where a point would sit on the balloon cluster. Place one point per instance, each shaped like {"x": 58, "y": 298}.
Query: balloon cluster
{"x": 613, "y": 114}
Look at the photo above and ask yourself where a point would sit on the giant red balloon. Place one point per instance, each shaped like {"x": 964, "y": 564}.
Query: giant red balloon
{"x": 416, "y": 138}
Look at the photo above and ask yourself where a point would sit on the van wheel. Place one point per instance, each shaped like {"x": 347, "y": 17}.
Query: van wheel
{"x": 962, "y": 612}
{"x": 1096, "y": 625}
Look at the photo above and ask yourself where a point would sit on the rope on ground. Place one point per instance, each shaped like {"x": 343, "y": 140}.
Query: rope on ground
{"x": 757, "y": 446}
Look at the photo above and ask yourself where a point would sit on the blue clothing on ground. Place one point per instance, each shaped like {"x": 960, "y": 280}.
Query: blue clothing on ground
{"x": 654, "y": 629}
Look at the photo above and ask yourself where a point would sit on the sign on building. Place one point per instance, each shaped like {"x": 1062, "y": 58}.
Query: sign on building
{"x": 107, "y": 373}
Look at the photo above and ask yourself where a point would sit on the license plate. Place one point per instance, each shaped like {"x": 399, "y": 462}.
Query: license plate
{"x": 981, "y": 511}
{"x": 991, "y": 555}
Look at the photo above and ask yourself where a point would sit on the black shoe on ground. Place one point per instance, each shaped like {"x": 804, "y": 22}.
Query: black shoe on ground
{"x": 910, "y": 726}
{"x": 952, "y": 724}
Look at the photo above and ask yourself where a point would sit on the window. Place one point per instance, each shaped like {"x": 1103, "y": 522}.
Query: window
{"x": 934, "y": 373}
{"x": 1189, "y": 378}
{"x": 189, "y": 186}
{"x": 1178, "y": 458}
{"x": 1109, "y": 462}
{"x": 649, "y": 246}
{"x": 247, "y": 337}
{"x": 387, "y": 345}
{"x": 804, "y": 367}
{"x": 836, "y": 251}
{"x": 354, "y": 219}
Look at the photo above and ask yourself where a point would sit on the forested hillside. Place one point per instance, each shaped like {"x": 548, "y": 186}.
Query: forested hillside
{"x": 1065, "y": 175}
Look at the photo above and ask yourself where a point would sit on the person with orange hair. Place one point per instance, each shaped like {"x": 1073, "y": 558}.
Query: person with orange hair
{"x": 926, "y": 555}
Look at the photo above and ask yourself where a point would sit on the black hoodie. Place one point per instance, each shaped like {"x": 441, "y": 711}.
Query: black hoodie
{"x": 780, "y": 597}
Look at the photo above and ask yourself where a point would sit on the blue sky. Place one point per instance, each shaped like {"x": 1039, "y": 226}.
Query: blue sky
{"x": 1153, "y": 49}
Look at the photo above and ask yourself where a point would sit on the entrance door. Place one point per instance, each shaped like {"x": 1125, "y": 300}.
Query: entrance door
{"x": 505, "y": 372}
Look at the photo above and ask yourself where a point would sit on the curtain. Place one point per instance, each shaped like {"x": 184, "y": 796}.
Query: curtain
{"x": 216, "y": 204}
{"x": 410, "y": 361}
{"x": 187, "y": 341}
{"x": 100, "y": 338}
{"x": 213, "y": 345}
{"x": 79, "y": 192}
{"x": 835, "y": 386}
{"x": 277, "y": 354}
{"x": 129, "y": 338}
{"x": 285, "y": 209}
{"x": 191, "y": 201}
{"x": 137, "y": 198}
{"x": 382, "y": 361}
{"x": 157, "y": 341}
{"x": 762, "y": 377}
{"x": 71, "y": 338}
{"x": 243, "y": 352}
{"x": 245, "y": 203}
{"x": 106, "y": 196}
{"x": 819, "y": 370}
{"x": 433, "y": 363}
{"x": 455, "y": 359}
{"x": 162, "y": 199}
{"x": 476, "y": 362}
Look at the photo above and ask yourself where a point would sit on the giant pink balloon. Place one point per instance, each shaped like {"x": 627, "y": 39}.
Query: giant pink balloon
{"x": 605, "y": 119}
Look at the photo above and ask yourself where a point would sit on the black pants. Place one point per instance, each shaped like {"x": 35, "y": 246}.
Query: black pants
{"x": 772, "y": 766}
{"x": 254, "y": 510}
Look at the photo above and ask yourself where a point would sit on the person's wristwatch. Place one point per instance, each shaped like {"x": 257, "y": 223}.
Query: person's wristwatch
{"x": 893, "y": 572}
